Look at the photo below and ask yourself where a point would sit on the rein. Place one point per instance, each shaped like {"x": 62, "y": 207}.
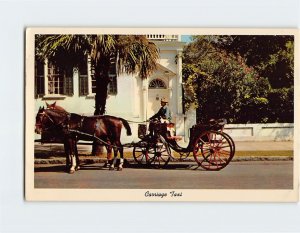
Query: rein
{"x": 139, "y": 122}
{"x": 99, "y": 139}
{"x": 53, "y": 122}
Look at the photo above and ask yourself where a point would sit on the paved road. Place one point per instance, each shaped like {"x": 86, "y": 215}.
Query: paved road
{"x": 237, "y": 175}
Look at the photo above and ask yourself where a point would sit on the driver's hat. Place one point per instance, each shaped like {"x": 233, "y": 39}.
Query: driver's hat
{"x": 164, "y": 100}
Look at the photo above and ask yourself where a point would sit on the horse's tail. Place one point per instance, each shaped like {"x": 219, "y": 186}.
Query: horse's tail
{"x": 126, "y": 125}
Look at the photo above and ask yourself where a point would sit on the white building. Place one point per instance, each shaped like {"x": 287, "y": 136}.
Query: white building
{"x": 129, "y": 97}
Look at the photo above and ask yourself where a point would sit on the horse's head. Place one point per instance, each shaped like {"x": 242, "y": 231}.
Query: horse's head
{"x": 54, "y": 106}
{"x": 47, "y": 119}
{"x": 39, "y": 120}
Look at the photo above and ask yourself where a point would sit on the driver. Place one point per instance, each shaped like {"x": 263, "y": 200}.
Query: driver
{"x": 164, "y": 113}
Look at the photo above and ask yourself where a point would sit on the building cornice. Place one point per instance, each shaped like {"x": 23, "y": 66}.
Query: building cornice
{"x": 169, "y": 45}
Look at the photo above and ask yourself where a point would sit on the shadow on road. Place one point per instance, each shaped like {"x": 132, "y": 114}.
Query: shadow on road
{"x": 61, "y": 168}
{"x": 51, "y": 168}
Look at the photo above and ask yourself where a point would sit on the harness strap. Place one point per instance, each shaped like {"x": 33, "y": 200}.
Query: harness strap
{"x": 56, "y": 124}
{"x": 139, "y": 122}
{"x": 93, "y": 136}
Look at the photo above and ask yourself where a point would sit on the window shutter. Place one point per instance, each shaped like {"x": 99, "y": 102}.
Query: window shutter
{"x": 39, "y": 86}
{"x": 113, "y": 85}
{"x": 83, "y": 85}
{"x": 68, "y": 86}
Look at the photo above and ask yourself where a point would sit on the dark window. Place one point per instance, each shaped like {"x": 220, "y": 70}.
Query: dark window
{"x": 83, "y": 85}
{"x": 68, "y": 85}
{"x": 55, "y": 80}
{"x": 60, "y": 81}
{"x": 113, "y": 85}
{"x": 83, "y": 79}
{"x": 93, "y": 80}
{"x": 157, "y": 84}
{"x": 39, "y": 84}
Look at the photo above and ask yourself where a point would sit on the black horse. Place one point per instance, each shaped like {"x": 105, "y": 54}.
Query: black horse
{"x": 74, "y": 127}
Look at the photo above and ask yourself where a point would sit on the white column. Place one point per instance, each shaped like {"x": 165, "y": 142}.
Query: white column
{"x": 136, "y": 100}
{"x": 75, "y": 82}
{"x": 180, "y": 124}
{"x": 145, "y": 98}
{"x": 46, "y": 76}
{"x": 179, "y": 82}
{"x": 89, "y": 74}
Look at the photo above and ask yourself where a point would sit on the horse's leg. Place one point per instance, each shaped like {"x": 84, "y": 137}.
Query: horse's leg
{"x": 72, "y": 155}
{"x": 120, "y": 168}
{"x": 112, "y": 166}
{"x": 108, "y": 156}
{"x": 77, "y": 157}
{"x": 67, "y": 153}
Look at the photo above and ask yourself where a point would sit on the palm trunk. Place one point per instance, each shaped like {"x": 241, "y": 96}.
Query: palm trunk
{"x": 102, "y": 81}
{"x": 101, "y": 95}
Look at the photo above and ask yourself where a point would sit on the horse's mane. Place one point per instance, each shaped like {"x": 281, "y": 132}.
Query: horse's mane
{"x": 56, "y": 113}
{"x": 54, "y": 106}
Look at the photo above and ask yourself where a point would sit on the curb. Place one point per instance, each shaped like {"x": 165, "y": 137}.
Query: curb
{"x": 131, "y": 160}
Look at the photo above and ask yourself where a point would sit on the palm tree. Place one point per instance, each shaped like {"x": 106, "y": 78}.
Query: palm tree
{"x": 132, "y": 53}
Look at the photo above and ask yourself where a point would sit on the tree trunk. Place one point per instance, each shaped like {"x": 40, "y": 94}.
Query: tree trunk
{"x": 98, "y": 150}
{"x": 102, "y": 81}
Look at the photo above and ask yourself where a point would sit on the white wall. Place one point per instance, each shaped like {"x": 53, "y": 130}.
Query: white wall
{"x": 261, "y": 132}
{"x": 167, "y": 59}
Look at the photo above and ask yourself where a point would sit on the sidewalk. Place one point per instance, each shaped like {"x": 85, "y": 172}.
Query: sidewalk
{"x": 54, "y": 153}
{"x": 264, "y": 146}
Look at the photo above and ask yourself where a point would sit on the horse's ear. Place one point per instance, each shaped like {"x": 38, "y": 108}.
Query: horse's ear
{"x": 43, "y": 108}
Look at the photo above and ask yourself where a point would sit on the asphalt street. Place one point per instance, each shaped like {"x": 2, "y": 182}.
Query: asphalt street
{"x": 237, "y": 175}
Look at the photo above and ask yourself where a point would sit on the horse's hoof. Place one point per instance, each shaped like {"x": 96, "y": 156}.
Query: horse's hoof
{"x": 106, "y": 165}
{"x": 77, "y": 168}
{"x": 71, "y": 171}
{"x": 120, "y": 168}
{"x": 111, "y": 168}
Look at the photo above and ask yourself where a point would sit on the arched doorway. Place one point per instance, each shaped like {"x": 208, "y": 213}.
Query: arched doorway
{"x": 156, "y": 90}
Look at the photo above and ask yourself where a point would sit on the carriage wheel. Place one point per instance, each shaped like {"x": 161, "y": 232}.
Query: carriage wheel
{"x": 159, "y": 154}
{"x": 213, "y": 150}
{"x": 231, "y": 142}
{"x": 141, "y": 155}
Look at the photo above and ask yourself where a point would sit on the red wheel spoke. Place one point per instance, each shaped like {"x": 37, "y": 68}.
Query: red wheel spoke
{"x": 213, "y": 150}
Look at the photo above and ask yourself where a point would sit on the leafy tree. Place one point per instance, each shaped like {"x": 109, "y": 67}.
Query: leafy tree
{"x": 221, "y": 84}
{"x": 132, "y": 53}
{"x": 243, "y": 78}
{"x": 281, "y": 105}
{"x": 272, "y": 56}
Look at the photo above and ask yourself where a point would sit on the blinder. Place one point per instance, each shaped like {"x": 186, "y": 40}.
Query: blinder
{"x": 43, "y": 115}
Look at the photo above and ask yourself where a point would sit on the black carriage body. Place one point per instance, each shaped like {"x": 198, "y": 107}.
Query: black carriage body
{"x": 198, "y": 129}
{"x": 194, "y": 133}
{"x": 211, "y": 147}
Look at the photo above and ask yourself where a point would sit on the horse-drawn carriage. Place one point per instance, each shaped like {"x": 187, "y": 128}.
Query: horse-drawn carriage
{"x": 212, "y": 149}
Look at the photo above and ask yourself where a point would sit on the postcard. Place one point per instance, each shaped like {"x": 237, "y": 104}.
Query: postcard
{"x": 161, "y": 114}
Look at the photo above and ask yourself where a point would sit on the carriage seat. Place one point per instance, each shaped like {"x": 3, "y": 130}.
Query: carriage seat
{"x": 171, "y": 132}
{"x": 175, "y": 138}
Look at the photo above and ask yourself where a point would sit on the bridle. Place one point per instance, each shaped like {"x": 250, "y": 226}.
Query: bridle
{"x": 47, "y": 116}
